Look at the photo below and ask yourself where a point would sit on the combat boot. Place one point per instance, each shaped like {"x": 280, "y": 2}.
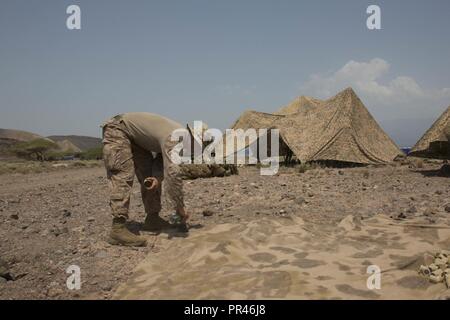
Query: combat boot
{"x": 120, "y": 235}
{"x": 154, "y": 223}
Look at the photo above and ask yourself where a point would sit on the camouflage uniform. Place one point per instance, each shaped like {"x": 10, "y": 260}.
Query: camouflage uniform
{"x": 124, "y": 158}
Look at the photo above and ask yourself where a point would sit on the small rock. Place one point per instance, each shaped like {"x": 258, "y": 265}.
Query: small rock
{"x": 66, "y": 213}
{"x": 300, "y": 200}
{"x": 429, "y": 212}
{"x": 437, "y": 273}
{"x": 207, "y": 213}
{"x": 288, "y": 196}
{"x": 59, "y": 231}
{"x": 340, "y": 172}
{"x": 54, "y": 292}
{"x": 424, "y": 270}
{"x": 441, "y": 263}
{"x": 431, "y": 220}
{"x": 91, "y": 219}
{"x": 401, "y": 216}
{"x": 101, "y": 254}
{"x": 75, "y": 295}
{"x": 106, "y": 286}
{"x": 3, "y": 268}
{"x": 439, "y": 192}
{"x": 436, "y": 279}
{"x": 433, "y": 267}
{"x": 14, "y": 216}
{"x": 411, "y": 209}
{"x": 79, "y": 229}
{"x": 447, "y": 208}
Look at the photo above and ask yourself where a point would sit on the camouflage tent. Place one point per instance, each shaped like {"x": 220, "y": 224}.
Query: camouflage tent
{"x": 338, "y": 129}
{"x": 435, "y": 142}
{"x": 300, "y": 103}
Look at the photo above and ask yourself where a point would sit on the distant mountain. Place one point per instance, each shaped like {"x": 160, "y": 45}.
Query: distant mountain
{"x": 82, "y": 143}
{"x": 17, "y": 135}
{"x": 10, "y": 137}
{"x": 68, "y": 144}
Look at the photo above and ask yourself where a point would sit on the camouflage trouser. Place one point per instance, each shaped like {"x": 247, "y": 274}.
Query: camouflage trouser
{"x": 123, "y": 160}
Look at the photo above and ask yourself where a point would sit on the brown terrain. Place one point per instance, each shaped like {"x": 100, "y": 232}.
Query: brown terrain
{"x": 51, "y": 220}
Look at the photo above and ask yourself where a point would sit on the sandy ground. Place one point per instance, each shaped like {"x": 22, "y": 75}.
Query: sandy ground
{"x": 49, "y": 221}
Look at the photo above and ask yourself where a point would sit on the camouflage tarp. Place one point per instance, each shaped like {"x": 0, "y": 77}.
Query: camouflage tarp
{"x": 300, "y": 103}
{"x": 435, "y": 142}
{"x": 286, "y": 258}
{"x": 194, "y": 171}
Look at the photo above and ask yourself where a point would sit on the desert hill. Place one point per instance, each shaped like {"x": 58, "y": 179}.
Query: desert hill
{"x": 82, "y": 143}
{"x": 17, "y": 135}
{"x": 10, "y": 137}
{"x": 67, "y": 144}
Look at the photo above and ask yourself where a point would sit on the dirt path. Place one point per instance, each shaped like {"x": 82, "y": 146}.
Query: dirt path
{"x": 50, "y": 221}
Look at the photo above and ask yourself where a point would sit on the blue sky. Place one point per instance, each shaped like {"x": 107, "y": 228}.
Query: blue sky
{"x": 211, "y": 60}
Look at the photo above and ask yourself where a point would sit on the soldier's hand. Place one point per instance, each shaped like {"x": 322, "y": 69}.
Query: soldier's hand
{"x": 151, "y": 183}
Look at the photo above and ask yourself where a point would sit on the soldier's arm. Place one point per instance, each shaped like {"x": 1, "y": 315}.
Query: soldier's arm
{"x": 173, "y": 181}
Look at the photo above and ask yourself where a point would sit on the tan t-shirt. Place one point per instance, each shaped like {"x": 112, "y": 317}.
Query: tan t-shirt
{"x": 151, "y": 132}
{"x": 148, "y": 130}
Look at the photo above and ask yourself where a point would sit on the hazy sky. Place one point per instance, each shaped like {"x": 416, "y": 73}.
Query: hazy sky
{"x": 211, "y": 60}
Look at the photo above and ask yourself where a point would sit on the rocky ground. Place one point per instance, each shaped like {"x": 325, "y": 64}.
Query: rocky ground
{"x": 49, "y": 221}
